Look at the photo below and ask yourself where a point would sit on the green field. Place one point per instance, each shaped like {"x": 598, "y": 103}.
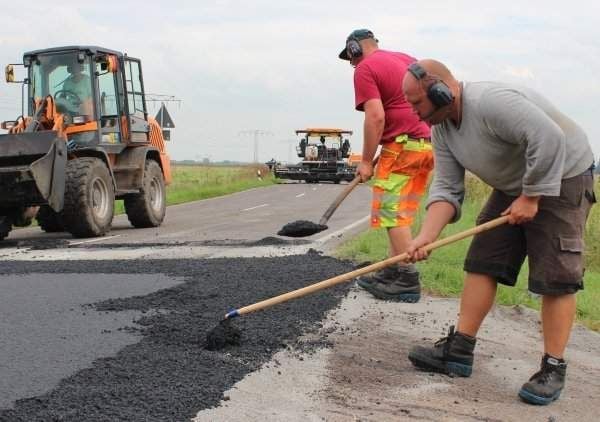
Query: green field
{"x": 442, "y": 273}
{"x": 194, "y": 182}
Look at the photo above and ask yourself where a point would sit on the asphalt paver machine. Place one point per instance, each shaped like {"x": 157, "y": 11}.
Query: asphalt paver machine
{"x": 324, "y": 153}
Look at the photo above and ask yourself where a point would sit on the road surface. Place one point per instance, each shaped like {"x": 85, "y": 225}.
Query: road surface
{"x": 113, "y": 328}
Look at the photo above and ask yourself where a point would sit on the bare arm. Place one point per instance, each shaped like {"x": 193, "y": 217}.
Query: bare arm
{"x": 438, "y": 215}
{"x": 373, "y": 130}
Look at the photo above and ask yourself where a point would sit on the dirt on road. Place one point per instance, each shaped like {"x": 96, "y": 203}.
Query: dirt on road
{"x": 366, "y": 376}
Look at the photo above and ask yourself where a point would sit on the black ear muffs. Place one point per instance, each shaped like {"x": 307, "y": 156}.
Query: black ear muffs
{"x": 438, "y": 92}
{"x": 353, "y": 49}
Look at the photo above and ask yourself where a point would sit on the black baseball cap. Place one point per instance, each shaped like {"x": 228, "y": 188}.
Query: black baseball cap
{"x": 357, "y": 35}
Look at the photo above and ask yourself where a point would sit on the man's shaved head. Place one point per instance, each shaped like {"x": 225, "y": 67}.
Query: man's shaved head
{"x": 435, "y": 68}
{"x": 435, "y": 71}
{"x": 415, "y": 90}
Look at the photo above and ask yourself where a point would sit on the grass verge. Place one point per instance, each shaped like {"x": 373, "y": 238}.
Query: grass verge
{"x": 195, "y": 182}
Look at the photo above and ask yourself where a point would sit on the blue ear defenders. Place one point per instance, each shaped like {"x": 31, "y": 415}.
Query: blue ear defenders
{"x": 438, "y": 92}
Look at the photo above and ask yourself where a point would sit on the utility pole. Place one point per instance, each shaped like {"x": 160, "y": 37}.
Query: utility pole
{"x": 255, "y": 133}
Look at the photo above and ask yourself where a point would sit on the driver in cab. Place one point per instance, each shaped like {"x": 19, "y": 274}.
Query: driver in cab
{"x": 76, "y": 90}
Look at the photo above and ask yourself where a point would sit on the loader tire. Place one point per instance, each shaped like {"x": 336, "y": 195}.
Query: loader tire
{"x": 49, "y": 220}
{"x": 5, "y": 226}
{"x": 89, "y": 198}
{"x": 148, "y": 208}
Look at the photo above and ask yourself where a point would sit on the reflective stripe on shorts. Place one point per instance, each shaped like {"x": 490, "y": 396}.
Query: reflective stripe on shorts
{"x": 400, "y": 181}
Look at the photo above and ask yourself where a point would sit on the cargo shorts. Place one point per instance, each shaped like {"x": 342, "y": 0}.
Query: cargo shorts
{"x": 552, "y": 241}
{"x": 400, "y": 181}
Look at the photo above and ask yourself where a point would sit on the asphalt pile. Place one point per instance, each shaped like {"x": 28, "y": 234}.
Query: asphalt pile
{"x": 168, "y": 375}
{"x": 222, "y": 335}
{"x": 301, "y": 228}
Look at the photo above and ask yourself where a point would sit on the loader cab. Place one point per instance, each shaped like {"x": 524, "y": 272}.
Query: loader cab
{"x": 99, "y": 91}
{"x": 67, "y": 77}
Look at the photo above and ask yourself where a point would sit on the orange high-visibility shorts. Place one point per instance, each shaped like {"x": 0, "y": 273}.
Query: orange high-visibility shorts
{"x": 401, "y": 178}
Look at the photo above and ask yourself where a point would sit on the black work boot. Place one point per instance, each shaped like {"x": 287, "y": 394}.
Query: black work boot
{"x": 546, "y": 384}
{"x": 399, "y": 283}
{"x": 385, "y": 275}
{"x": 452, "y": 355}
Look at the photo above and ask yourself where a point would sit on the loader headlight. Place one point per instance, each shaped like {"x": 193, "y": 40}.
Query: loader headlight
{"x": 79, "y": 119}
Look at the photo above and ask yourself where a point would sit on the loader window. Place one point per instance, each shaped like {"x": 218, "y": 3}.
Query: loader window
{"x": 135, "y": 97}
{"x": 108, "y": 94}
{"x": 109, "y": 109}
{"x": 136, "y": 106}
{"x": 67, "y": 79}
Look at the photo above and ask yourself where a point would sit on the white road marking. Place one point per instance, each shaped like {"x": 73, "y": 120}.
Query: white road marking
{"x": 343, "y": 229}
{"x": 93, "y": 240}
{"x": 253, "y": 208}
{"x": 301, "y": 195}
{"x": 173, "y": 251}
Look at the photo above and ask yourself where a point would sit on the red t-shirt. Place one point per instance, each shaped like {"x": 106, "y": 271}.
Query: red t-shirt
{"x": 379, "y": 75}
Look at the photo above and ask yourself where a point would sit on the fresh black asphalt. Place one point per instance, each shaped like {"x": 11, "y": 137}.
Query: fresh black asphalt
{"x": 47, "y": 335}
{"x": 167, "y": 375}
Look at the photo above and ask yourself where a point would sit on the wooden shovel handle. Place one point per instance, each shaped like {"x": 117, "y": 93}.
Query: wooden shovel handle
{"x": 343, "y": 194}
{"x": 373, "y": 267}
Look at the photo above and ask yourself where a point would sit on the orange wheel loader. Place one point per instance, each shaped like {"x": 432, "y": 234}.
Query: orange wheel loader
{"x": 86, "y": 140}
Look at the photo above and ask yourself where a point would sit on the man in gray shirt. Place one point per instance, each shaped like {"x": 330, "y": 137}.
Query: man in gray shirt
{"x": 539, "y": 164}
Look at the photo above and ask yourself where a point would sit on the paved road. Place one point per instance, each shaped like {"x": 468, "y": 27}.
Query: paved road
{"x": 282, "y": 371}
{"x": 47, "y": 331}
{"x": 248, "y": 215}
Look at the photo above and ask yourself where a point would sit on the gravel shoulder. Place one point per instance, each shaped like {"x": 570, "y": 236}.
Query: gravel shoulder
{"x": 366, "y": 375}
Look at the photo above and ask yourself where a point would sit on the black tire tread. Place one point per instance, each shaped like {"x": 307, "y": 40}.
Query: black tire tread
{"x": 76, "y": 214}
{"x": 137, "y": 206}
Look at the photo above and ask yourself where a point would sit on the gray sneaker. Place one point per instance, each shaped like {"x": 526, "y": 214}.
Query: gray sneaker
{"x": 396, "y": 283}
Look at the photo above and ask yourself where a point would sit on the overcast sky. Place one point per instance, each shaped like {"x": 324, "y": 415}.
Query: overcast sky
{"x": 272, "y": 65}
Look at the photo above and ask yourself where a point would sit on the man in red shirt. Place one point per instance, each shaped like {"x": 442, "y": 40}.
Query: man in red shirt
{"x": 405, "y": 161}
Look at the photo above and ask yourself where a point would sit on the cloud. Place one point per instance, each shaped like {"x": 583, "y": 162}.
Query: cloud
{"x": 519, "y": 72}
{"x": 273, "y": 65}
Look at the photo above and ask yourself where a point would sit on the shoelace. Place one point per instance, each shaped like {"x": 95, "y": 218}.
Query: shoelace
{"x": 543, "y": 375}
{"x": 445, "y": 341}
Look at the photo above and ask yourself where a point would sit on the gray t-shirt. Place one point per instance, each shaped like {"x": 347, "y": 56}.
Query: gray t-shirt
{"x": 512, "y": 138}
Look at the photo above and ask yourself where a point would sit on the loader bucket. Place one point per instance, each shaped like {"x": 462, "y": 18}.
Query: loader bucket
{"x": 32, "y": 169}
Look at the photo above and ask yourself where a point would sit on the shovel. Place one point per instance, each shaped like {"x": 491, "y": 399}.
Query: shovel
{"x": 226, "y": 334}
{"x": 353, "y": 274}
{"x": 303, "y": 228}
